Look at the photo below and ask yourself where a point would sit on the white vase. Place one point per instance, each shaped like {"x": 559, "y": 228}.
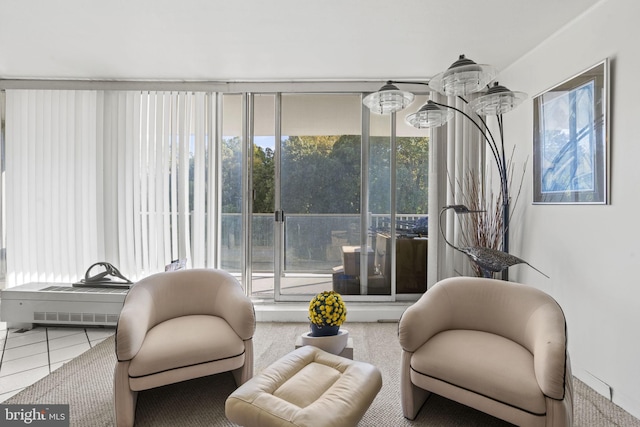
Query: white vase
{"x": 332, "y": 344}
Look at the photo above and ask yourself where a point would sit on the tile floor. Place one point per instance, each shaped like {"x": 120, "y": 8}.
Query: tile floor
{"x": 27, "y": 356}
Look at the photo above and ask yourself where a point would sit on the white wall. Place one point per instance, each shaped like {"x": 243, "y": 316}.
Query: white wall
{"x": 591, "y": 252}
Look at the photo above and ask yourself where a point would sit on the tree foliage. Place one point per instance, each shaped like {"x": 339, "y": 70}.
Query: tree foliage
{"x": 322, "y": 174}
{"x": 232, "y": 175}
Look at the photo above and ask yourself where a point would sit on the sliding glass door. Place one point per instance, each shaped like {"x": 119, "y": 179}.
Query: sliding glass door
{"x": 306, "y": 187}
{"x": 319, "y": 188}
{"x": 316, "y": 161}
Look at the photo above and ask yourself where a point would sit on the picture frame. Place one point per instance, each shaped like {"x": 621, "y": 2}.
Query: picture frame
{"x": 571, "y": 140}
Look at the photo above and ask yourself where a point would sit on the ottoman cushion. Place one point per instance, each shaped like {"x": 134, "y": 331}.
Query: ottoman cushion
{"x": 306, "y": 388}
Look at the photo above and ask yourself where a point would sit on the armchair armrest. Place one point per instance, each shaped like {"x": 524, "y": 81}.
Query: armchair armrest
{"x": 236, "y": 308}
{"x": 134, "y": 322}
{"x": 548, "y": 327}
{"x": 425, "y": 318}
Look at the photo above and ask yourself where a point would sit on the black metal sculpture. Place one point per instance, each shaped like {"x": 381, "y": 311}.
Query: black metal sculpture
{"x": 487, "y": 259}
{"x": 110, "y": 277}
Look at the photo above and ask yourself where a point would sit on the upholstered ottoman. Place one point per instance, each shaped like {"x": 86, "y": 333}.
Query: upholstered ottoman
{"x": 306, "y": 388}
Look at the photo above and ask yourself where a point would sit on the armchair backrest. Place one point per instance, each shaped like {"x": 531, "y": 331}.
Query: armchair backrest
{"x": 187, "y": 292}
{"x": 508, "y": 309}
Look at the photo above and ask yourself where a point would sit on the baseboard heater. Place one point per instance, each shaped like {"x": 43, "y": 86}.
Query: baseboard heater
{"x": 60, "y": 304}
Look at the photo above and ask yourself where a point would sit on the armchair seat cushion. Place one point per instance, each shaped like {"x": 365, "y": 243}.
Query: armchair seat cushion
{"x": 481, "y": 362}
{"x": 186, "y": 341}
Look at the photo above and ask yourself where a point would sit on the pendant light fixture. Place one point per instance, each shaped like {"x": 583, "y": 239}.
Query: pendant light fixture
{"x": 429, "y": 115}
{"x": 497, "y": 101}
{"x": 463, "y": 77}
{"x": 388, "y": 99}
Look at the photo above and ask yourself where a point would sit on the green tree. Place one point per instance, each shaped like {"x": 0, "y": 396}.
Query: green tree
{"x": 345, "y": 176}
{"x": 412, "y": 172}
{"x": 303, "y": 162}
{"x": 379, "y": 175}
{"x": 412, "y": 187}
{"x": 321, "y": 174}
{"x": 263, "y": 180}
{"x": 232, "y": 175}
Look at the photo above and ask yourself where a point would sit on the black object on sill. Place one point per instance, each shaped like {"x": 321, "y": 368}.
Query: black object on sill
{"x": 109, "y": 278}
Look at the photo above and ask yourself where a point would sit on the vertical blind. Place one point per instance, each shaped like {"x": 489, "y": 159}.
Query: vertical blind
{"x": 125, "y": 177}
{"x": 457, "y": 152}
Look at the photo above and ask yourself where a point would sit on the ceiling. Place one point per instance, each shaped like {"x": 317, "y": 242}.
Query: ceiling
{"x": 259, "y": 40}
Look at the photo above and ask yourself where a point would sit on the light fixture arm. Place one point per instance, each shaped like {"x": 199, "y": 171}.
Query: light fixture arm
{"x": 484, "y": 131}
{"x": 406, "y": 82}
{"x": 506, "y": 215}
{"x": 498, "y": 153}
{"x": 471, "y": 78}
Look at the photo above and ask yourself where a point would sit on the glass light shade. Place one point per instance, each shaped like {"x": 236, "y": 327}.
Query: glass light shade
{"x": 498, "y": 100}
{"x": 388, "y": 99}
{"x": 462, "y": 78}
{"x": 429, "y": 115}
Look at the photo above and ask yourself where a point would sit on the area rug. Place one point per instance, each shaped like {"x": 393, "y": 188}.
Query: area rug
{"x": 86, "y": 384}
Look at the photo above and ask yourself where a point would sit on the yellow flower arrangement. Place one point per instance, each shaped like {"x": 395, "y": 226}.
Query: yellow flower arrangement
{"x": 327, "y": 309}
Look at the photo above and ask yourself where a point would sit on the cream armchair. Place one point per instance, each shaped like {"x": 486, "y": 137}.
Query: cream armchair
{"x": 178, "y": 326}
{"x": 496, "y": 346}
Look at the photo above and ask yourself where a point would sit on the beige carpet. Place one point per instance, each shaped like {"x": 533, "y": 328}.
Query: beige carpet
{"x": 85, "y": 384}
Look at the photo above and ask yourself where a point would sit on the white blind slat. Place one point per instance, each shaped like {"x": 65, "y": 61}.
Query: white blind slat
{"x": 167, "y": 180}
{"x": 122, "y": 191}
{"x": 184, "y": 129}
{"x": 55, "y": 103}
{"x": 99, "y": 182}
{"x": 30, "y": 209}
{"x": 198, "y": 235}
{"x": 42, "y": 183}
{"x": 144, "y": 174}
{"x": 212, "y": 181}
{"x": 134, "y": 147}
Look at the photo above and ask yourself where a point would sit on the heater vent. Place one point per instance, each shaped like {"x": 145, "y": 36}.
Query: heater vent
{"x": 84, "y": 318}
{"x": 84, "y": 290}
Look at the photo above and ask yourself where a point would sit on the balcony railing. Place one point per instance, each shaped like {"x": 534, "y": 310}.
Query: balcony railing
{"x": 312, "y": 242}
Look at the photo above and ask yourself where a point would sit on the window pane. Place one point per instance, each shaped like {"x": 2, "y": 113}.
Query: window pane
{"x": 412, "y": 204}
{"x": 231, "y": 227}
{"x": 262, "y": 226}
{"x": 320, "y": 183}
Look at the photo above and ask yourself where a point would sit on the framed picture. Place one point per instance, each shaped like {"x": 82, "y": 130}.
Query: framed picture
{"x": 571, "y": 140}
